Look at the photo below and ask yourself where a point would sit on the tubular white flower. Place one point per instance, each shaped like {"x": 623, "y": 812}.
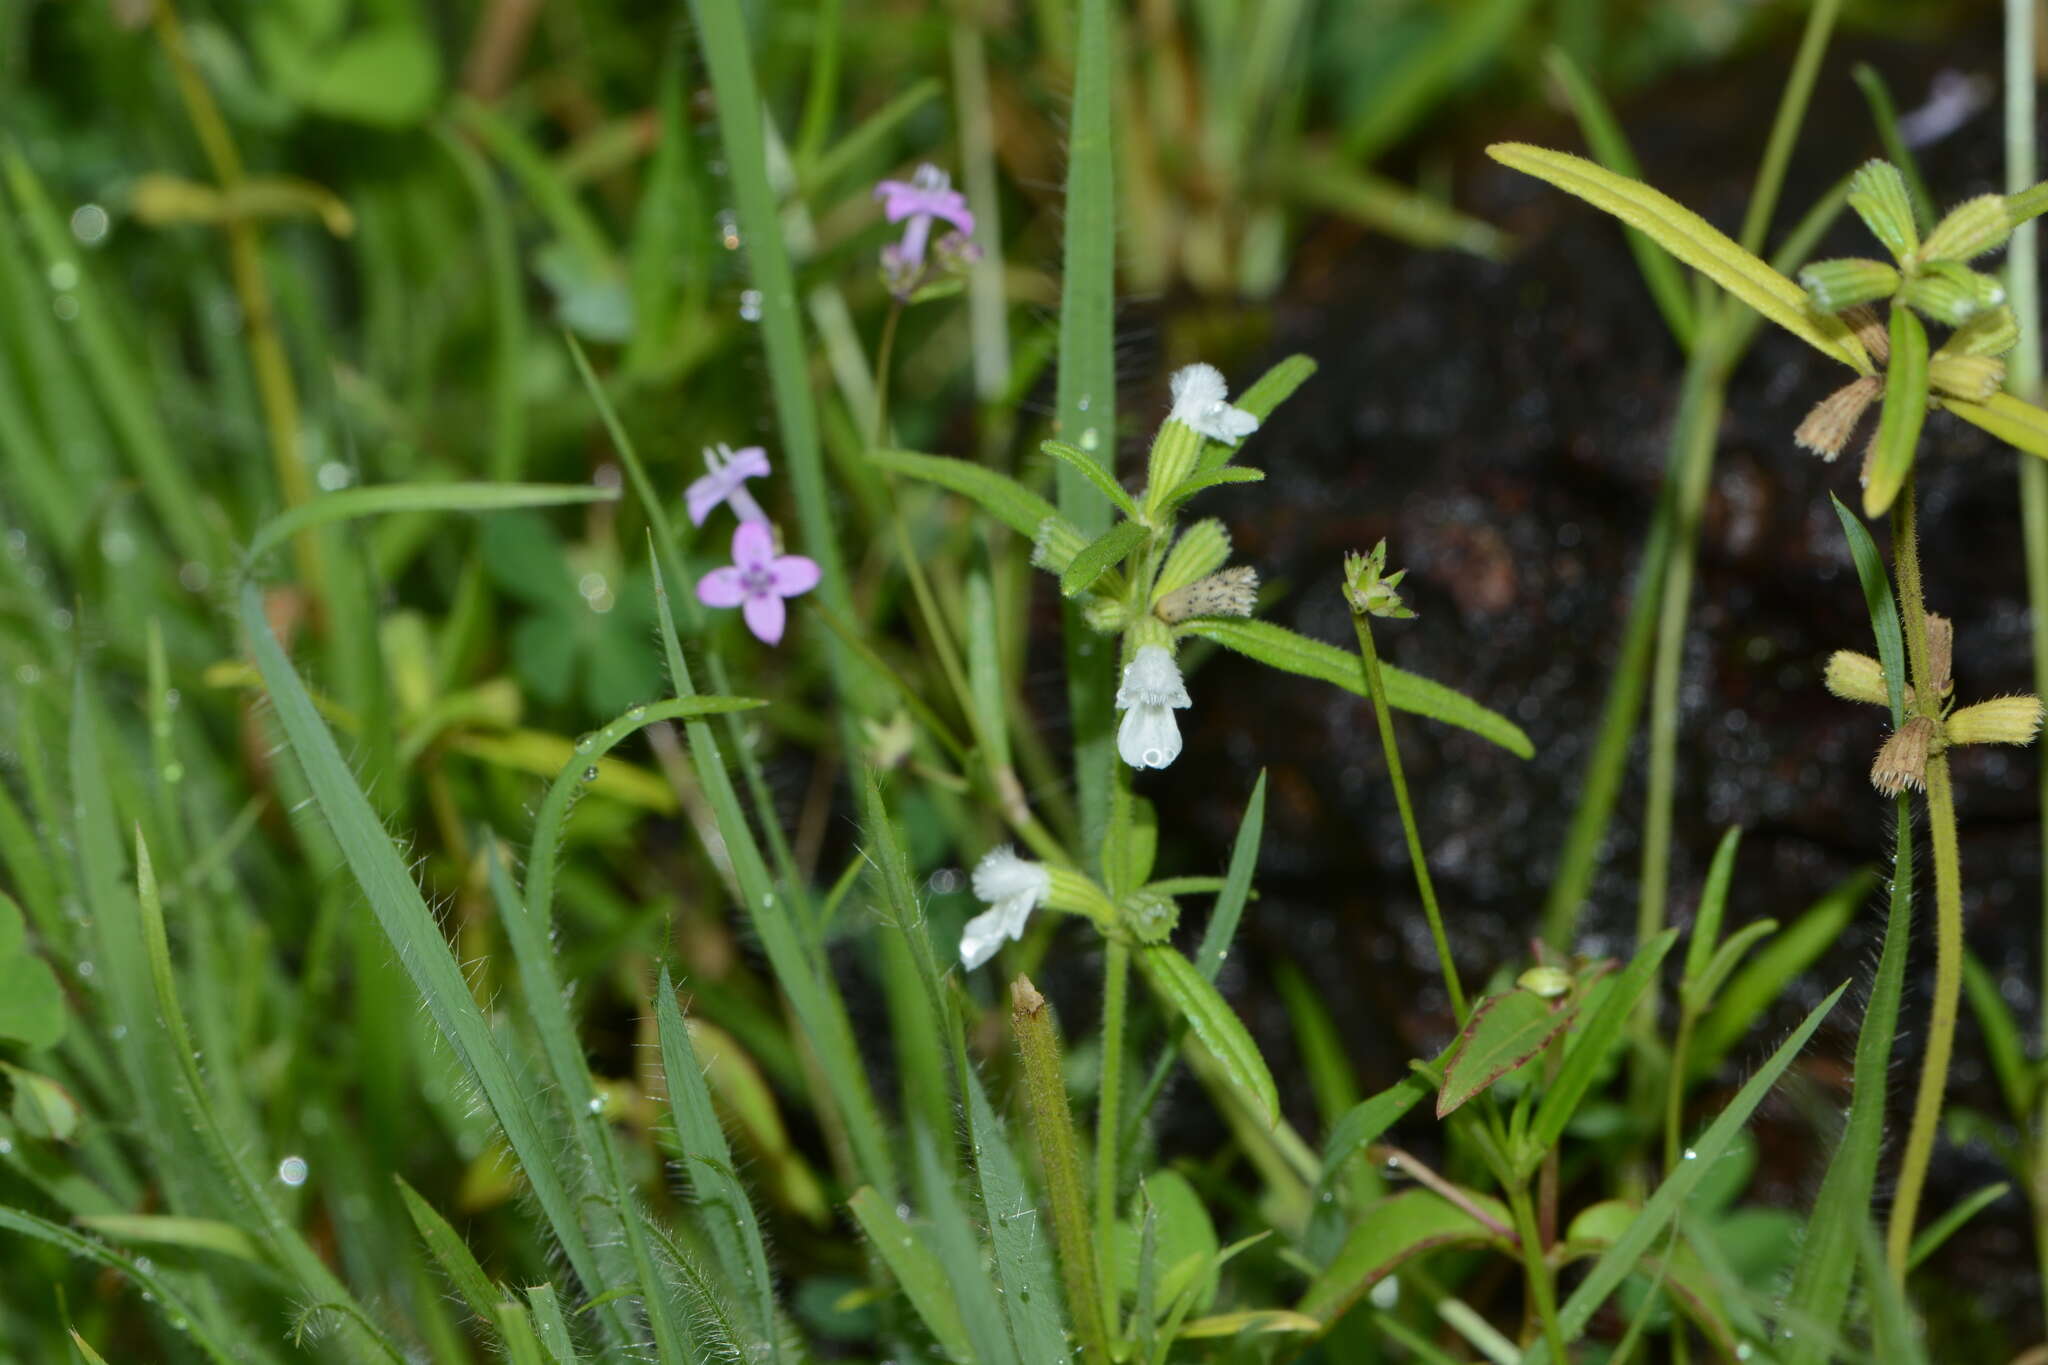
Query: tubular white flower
{"x": 1152, "y": 690}
{"x": 1013, "y": 888}
{"x": 1200, "y": 399}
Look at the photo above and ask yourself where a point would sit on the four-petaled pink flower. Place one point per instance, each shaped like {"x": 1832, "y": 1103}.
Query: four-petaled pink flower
{"x": 928, "y": 194}
{"x": 757, "y": 580}
{"x": 726, "y": 481}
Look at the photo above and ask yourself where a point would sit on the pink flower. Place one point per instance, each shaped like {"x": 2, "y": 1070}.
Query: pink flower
{"x": 926, "y": 195}
{"x": 757, "y": 580}
{"x": 726, "y": 481}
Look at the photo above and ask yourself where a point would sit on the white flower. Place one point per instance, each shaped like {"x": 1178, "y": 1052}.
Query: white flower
{"x": 1199, "y": 400}
{"x": 1013, "y": 888}
{"x": 1149, "y": 737}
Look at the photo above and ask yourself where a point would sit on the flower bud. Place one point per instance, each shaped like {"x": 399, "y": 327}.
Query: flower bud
{"x": 1992, "y": 332}
{"x": 2002, "y": 720}
{"x": 1878, "y": 194}
{"x": 1974, "y": 377}
{"x": 1201, "y": 550}
{"x": 1971, "y": 228}
{"x": 1951, "y": 293}
{"x": 1232, "y": 592}
{"x": 1833, "y": 420}
{"x": 1548, "y": 983}
{"x": 1835, "y": 285}
{"x": 1055, "y": 545}
{"x": 1369, "y": 588}
{"x": 1149, "y": 916}
{"x": 1857, "y": 677}
{"x": 1902, "y": 762}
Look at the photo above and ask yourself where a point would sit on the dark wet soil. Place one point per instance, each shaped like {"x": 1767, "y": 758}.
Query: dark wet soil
{"x": 1504, "y": 426}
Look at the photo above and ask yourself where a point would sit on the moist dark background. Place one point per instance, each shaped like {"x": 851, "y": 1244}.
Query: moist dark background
{"x": 1504, "y": 426}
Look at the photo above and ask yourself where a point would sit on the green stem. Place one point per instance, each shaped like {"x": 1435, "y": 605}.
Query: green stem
{"x": 2023, "y": 377}
{"x": 1698, "y": 421}
{"x": 1542, "y": 1286}
{"x": 1116, "y": 977}
{"x": 1423, "y": 884}
{"x": 1948, "y": 903}
{"x": 1053, "y": 1125}
{"x": 1674, "y": 1088}
{"x": 274, "y": 386}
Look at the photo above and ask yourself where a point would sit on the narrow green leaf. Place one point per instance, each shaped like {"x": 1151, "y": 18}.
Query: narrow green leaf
{"x": 1610, "y": 147}
{"x": 1759, "y": 985}
{"x": 1095, "y": 472}
{"x": 1214, "y": 1022}
{"x": 1386, "y": 205}
{"x": 1084, "y": 398}
{"x": 1002, "y": 497}
{"x": 1877, "y": 598}
{"x": 1204, "y": 481}
{"x": 1291, "y": 653}
{"x": 1905, "y": 412}
{"x": 202, "y": 1234}
{"x": 1693, "y": 240}
{"x": 553, "y": 1329}
{"x": 154, "y": 1288}
{"x": 1706, "y": 925}
{"x": 1885, "y": 115}
{"x": 2002, "y": 1040}
{"x": 1504, "y": 1031}
{"x": 1237, "y": 884}
{"x": 708, "y": 1166}
{"x": 1949, "y": 1224}
{"x": 917, "y": 1270}
{"x": 1700, "y": 992}
{"x": 416, "y": 936}
{"x": 1274, "y": 387}
{"x": 1016, "y": 1230}
{"x": 1589, "y": 1051}
{"x": 2012, "y": 420}
{"x": 951, "y": 1237}
{"x": 1620, "y": 1260}
{"x": 418, "y": 497}
{"x": 451, "y": 1253}
{"x": 1101, "y": 555}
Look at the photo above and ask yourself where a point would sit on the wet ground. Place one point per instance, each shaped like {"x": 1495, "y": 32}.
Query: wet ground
{"x": 1504, "y": 426}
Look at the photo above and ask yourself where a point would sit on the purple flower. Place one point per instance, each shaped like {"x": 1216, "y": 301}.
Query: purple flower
{"x": 757, "y": 580}
{"x": 928, "y": 194}
{"x": 726, "y": 481}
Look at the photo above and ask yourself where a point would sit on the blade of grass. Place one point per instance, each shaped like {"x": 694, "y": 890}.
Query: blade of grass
{"x": 418, "y": 497}
{"x": 708, "y": 1166}
{"x": 415, "y": 935}
{"x": 1085, "y": 397}
{"x": 1619, "y": 1260}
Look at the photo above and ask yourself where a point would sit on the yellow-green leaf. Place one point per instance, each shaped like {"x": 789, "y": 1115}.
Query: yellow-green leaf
{"x": 1693, "y": 240}
{"x": 1905, "y": 411}
{"x": 2012, "y": 420}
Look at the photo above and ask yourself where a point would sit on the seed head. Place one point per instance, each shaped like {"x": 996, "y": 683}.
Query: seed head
{"x": 1833, "y": 420}
{"x": 1231, "y": 592}
{"x": 2002, "y": 720}
{"x": 1857, "y": 677}
{"x": 1902, "y": 762}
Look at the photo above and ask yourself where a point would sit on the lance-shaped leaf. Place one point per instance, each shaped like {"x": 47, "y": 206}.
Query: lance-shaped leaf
{"x": 1214, "y": 1022}
{"x": 1505, "y": 1031}
{"x": 1878, "y": 194}
{"x": 1281, "y": 648}
{"x": 1693, "y": 240}
{"x": 2012, "y": 420}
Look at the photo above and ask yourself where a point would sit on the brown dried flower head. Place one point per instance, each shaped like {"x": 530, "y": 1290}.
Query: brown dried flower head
{"x": 1833, "y": 420}
{"x": 1227, "y": 592}
{"x": 1902, "y": 762}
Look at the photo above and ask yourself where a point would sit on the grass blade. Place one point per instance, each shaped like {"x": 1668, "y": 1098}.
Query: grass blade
{"x": 1616, "y": 1263}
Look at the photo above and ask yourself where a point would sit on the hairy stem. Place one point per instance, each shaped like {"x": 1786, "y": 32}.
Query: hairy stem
{"x": 1053, "y": 1125}
{"x": 1423, "y": 884}
{"x": 1948, "y": 902}
{"x": 1116, "y": 978}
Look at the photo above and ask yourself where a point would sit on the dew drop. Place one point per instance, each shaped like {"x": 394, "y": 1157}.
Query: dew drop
{"x": 590, "y": 773}
{"x": 585, "y": 743}
{"x": 750, "y": 305}
{"x": 1691, "y": 1155}
{"x": 6, "y": 1146}
{"x": 596, "y": 1105}
{"x": 1089, "y": 439}
{"x": 1082, "y": 402}
{"x": 174, "y": 773}
{"x": 637, "y": 712}
{"x": 292, "y": 1171}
